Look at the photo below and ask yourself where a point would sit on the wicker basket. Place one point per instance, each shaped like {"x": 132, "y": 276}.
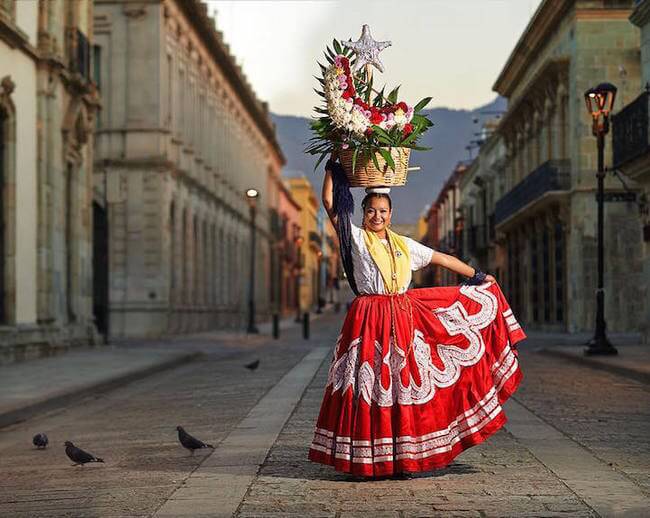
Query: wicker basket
{"x": 365, "y": 173}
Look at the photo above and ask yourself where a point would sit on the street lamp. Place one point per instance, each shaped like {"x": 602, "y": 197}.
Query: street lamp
{"x": 251, "y": 198}
{"x": 298, "y": 242}
{"x": 600, "y": 101}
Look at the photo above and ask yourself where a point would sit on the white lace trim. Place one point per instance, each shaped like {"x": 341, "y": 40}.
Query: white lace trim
{"x": 345, "y": 372}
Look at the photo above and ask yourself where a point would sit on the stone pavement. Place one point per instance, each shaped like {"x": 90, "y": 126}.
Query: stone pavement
{"x": 133, "y": 429}
{"x": 501, "y": 477}
{"x": 578, "y": 444}
{"x": 32, "y": 387}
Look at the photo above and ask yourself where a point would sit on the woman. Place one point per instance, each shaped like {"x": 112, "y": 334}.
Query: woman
{"x": 418, "y": 375}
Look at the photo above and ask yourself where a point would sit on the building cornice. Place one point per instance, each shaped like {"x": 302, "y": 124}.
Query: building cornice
{"x": 11, "y": 34}
{"x": 535, "y": 36}
{"x": 641, "y": 14}
{"x": 197, "y": 14}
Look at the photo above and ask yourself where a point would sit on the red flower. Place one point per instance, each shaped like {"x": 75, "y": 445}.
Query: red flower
{"x": 359, "y": 102}
{"x": 408, "y": 129}
{"x": 368, "y": 132}
{"x": 375, "y": 116}
{"x": 402, "y": 106}
{"x": 346, "y": 95}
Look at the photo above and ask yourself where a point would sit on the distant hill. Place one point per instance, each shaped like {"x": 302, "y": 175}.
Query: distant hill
{"x": 452, "y": 131}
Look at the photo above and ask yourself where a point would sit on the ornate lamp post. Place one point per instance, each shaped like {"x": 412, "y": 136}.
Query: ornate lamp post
{"x": 251, "y": 198}
{"x": 600, "y": 101}
{"x": 298, "y": 242}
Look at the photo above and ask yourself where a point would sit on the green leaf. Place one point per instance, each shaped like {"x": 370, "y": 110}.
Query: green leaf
{"x": 386, "y": 156}
{"x": 368, "y": 91}
{"x": 410, "y": 138}
{"x": 355, "y": 154}
{"x": 422, "y": 104}
{"x": 322, "y": 157}
{"x": 337, "y": 46}
{"x": 419, "y": 148}
{"x": 379, "y": 98}
{"x": 319, "y": 93}
{"x": 323, "y": 68}
{"x": 392, "y": 96}
{"x": 329, "y": 59}
{"x": 381, "y": 132}
{"x": 374, "y": 160}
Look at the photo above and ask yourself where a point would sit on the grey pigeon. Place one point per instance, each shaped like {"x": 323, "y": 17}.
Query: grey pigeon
{"x": 40, "y": 441}
{"x": 252, "y": 365}
{"x": 78, "y": 456}
{"x": 189, "y": 442}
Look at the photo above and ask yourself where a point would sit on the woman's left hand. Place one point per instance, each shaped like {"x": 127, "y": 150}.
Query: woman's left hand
{"x": 490, "y": 278}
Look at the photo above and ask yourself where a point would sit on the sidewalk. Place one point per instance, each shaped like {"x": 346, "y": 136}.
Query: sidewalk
{"x": 632, "y": 360}
{"x": 32, "y": 387}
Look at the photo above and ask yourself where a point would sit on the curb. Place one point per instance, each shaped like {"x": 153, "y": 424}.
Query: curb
{"x": 590, "y": 362}
{"x": 24, "y": 413}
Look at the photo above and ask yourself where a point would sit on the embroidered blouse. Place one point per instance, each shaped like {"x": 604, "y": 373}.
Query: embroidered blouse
{"x": 367, "y": 275}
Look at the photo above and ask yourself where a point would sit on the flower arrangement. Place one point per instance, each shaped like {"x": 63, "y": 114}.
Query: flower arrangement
{"x": 357, "y": 119}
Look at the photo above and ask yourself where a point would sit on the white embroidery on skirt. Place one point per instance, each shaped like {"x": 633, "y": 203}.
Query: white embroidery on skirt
{"x": 365, "y": 380}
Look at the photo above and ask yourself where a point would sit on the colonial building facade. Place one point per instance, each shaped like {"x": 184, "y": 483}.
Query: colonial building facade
{"x": 546, "y": 220}
{"x": 181, "y": 138}
{"x": 631, "y": 143}
{"x": 48, "y": 102}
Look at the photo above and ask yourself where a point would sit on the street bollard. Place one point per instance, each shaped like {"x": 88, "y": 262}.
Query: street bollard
{"x": 305, "y": 326}
{"x": 276, "y": 326}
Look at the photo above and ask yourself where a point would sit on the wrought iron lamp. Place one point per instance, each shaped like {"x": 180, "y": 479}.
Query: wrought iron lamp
{"x": 600, "y": 101}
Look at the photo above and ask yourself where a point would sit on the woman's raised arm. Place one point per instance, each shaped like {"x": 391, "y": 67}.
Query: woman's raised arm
{"x": 328, "y": 195}
{"x": 456, "y": 265}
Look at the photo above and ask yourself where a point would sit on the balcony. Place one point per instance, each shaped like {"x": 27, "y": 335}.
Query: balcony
{"x": 630, "y": 131}
{"x": 476, "y": 239}
{"x": 79, "y": 53}
{"x": 551, "y": 176}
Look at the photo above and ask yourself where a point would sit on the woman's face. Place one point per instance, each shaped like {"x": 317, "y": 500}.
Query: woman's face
{"x": 376, "y": 215}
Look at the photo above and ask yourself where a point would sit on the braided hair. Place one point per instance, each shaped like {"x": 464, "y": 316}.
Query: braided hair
{"x": 343, "y": 208}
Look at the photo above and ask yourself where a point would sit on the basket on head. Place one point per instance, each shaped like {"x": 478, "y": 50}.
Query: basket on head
{"x": 366, "y": 174}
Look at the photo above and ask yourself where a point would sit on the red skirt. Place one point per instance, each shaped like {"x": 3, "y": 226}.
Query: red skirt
{"x": 416, "y": 379}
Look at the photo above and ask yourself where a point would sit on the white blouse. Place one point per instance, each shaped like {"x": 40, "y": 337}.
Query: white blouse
{"x": 367, "y": 275}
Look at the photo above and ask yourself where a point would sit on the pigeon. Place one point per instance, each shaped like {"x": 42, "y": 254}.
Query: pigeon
{"x": 252, "y": 365}
{"x": 40, "y": 441}
{"x": 78, "y": 456}
{"x": 189, "y": 442}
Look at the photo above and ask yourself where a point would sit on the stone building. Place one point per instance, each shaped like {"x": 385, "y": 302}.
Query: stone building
{"x": 181, "y": 138}
{"x": 290, "y": 269}
{"x": 47, "y": 106}
{"x": 546, "y": 219}
{"x": 309, "y": 241}
{"x": 449, "y": 224}
{"x": 480, "y": 187}
{"x": 631, "y": 145}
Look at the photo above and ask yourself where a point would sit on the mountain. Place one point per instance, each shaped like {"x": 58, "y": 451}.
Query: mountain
{"x": 452, "y": 131}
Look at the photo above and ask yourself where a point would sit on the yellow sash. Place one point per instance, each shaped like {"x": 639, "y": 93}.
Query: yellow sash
{"x": 395, "y": 273}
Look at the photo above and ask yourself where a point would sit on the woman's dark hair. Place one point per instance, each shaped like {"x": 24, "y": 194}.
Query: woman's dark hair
{"x": 343, "y": 207}
{"x": 371, "y": 195}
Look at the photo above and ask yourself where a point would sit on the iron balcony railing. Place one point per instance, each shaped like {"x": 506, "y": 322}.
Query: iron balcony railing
{"x": 79, "y": 53}
{"x": 553, "y": 175}
{"x": 630, "y": 131}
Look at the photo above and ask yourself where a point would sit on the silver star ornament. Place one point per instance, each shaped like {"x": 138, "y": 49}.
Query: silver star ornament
{"x": 367, "y": 50}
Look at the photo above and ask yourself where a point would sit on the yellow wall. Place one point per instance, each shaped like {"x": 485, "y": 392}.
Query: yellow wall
{"x": 304, "y": 195}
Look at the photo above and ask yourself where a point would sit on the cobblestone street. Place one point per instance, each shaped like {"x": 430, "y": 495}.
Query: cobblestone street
{"x": 595, "y": 423}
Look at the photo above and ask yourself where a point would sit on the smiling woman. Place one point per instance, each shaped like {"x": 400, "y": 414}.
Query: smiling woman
{"x": 418, "y": 375}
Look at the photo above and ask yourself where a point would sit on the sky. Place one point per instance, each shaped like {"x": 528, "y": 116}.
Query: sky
{"x": 451, "y": 50}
